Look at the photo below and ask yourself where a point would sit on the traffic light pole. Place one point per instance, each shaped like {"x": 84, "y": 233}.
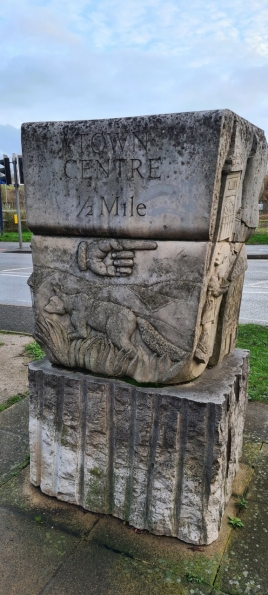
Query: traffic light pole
{"x": 14, "y": 161}
{"x": 1, "y": 213}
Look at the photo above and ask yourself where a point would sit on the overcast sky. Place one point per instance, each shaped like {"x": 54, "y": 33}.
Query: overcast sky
{"x": 81, "y": 59}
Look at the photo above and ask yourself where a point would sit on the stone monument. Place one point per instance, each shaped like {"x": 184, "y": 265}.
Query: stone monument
{"x": 139, "y": 259}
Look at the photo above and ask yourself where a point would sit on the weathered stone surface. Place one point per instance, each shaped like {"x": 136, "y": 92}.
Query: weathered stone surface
{"x": 193, "y": 176}
{"x": 135, "y": 294}
{"x": 161, "y": 458}
{"x": 162, "y": 318}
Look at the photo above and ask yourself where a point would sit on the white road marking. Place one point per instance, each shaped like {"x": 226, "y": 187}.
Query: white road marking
{"x": 255, "y": 284}
{"x": 20, "y": 269}
{"x": 11, "y": 275}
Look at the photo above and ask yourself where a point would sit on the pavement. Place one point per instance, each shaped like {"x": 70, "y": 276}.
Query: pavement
{"x": 53, "y": 548}
{"x": 14, "y": 247}
{"x": 254, "y": 251}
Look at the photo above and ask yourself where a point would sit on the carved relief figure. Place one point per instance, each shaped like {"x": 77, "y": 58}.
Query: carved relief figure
{"x": 229, "y": 207}
{"x": 229, "y": 264}
{"x": 218, "y": 285}
{"x": 110, "y": 257}
{"x": 116, "y": 322}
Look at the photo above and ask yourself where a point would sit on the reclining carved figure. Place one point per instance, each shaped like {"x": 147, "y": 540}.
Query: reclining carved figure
{"x": 117, "y": 322}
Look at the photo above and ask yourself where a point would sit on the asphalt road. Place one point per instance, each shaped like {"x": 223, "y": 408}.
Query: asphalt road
{"x": 15, "y": 269}
{"x": 254, "y": 307}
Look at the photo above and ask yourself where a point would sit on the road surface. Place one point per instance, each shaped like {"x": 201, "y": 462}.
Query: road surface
{"x": 15, "y": 269}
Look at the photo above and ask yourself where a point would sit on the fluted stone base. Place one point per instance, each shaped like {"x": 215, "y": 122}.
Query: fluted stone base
{"x": 161, "y": 458}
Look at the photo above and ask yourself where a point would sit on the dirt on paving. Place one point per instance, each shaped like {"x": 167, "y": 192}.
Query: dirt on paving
{"x": 13, "y": 365}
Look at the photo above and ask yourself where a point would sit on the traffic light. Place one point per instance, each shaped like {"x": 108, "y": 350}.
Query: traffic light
{"x": 18, "y": 166}
{"x": 5, "y": 173}
{"x": 20, "y": 170}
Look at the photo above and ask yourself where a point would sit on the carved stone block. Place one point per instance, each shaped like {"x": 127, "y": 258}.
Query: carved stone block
{"x": 140, "y": 269}
{"x": 156, "y": 311}
{"x": 191, "y": 176}
{"x": 162, "y": 459}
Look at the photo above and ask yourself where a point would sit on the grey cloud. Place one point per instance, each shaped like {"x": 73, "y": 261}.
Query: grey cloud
{"x": 9, "y": 140}
{"x": 97, "y": 85}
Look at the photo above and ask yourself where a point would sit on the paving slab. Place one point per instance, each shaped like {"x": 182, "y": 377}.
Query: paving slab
{"x": 258, "y": 489}
{"x": 165, "y": 552}
{"x": 256, "y": 426}
{"x": 244, "y": 569}
{"x": 30, "y": 554}
{"x": 96, "y": 570}
{"x": 16, "y": 418}
{"x": 20, "y": 495}
{"x": 14, "y": 377}
{"x": 14, "y": 440}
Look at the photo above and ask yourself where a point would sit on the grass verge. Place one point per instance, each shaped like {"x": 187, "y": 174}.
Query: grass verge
{"x": 258, "y": 238}
{"x": 255, "y": 338}
{"x": 13, "y": 236}
{"x": 13, "y": 400}
{"x": 34, "y": 351}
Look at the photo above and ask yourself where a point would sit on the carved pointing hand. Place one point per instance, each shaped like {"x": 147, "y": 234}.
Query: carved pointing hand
{"x": 109, "y": 257}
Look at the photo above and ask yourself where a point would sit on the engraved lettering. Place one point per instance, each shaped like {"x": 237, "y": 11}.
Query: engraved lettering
{"x": 81, "y": 144}
{"x": 142, "y": 143}
{"x": 86, "y": 164}
{"x": 70, "y": 169}
{"x": 120, "y": 161}
{"x": 131, "y": 206}
{"x": 124, "y": 209}
{"x": 90, "y": 211}
{"x": 103, "y": 203}
{"x": 141, "y": 207}
{"x": 136, "y": 167}
{"x": 152, "y": 169}
{"x": 101, "y": 167}
{"x": 98, "y": 142}
{"x": 90, "y": 207}
{"x": 115, "y": 140}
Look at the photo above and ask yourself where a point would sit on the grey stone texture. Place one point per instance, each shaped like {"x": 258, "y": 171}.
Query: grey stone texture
{"x": 175, "y": 311}
{"x": 146, "y": 278}
{"x": 189, "y": 176}
{"x": 162, "y": 459}
{"x": 139, "y": 262}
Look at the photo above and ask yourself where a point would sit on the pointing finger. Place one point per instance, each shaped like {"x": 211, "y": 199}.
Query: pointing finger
{"x": 123, "y": 254}
{"x": 138, "y": 245}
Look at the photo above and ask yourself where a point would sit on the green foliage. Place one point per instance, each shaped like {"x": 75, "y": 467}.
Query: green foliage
{"x": 38, "y": 518}
{"x": 34, "y": 351}
{"x": 255, "y": 338}
{"x": 235, "y": 522}
{"x": 13, "y": 236}
{"x": 13, "y": 400}
{"x": 258, "y": 238}
{"x": 193, "y": 578}
{"x": 242, "y": 503}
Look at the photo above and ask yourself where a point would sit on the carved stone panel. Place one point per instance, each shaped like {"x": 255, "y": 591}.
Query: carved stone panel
{"x": 145, "y": 177}
{"x": 132, "y": 308}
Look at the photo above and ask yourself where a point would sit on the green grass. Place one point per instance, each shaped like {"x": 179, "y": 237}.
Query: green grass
{"x": 13, "y": 400}
{"x": 258, "y": 238}
{"x": 255, "y": 338}
{"x": 34, "y": 351}
{"x": 13, "y": 236}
